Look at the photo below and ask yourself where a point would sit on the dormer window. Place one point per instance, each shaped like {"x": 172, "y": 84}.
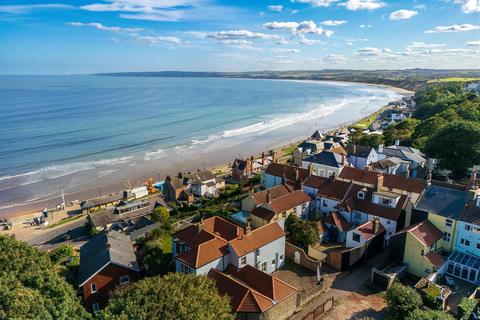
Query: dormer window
{"x": 386, "y": 201}
{"x": 361, "y": 195}
{"x": 478, "y": 201}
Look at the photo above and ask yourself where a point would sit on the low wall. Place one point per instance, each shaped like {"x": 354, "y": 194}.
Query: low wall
{"x": 298, "y": 256}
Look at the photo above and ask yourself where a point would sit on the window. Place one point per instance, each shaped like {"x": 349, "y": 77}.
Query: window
{"x": 361, "y": 195}
{"x": 243, "y": 261}
{"x": 186, "y": 269}
{"x": 465, "y": 242}
{"x": 478, "y": 245}
{"x": 324, "y": 203}
{"x": 358, "y": 215}
{"x": 281, "y": 258}
{"x": 321, "y": 173}
{"x": 388, "y": 221}
{"x": 356, "y": 237}
{"x": 124, "y": 279}
{"x": 386, "y": 201}
{"x": 446, "y": 236}
{"x": 427, "y": 271}
{"x": 448, "y": 222}
{"x": 95, "y": 307}
{"x": 93, "y": 287}
{"x": 274, "y": 263}
{"x": 467, "y": 227}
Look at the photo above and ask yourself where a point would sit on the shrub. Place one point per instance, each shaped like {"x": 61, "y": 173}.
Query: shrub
{"x": 402, "y": 301}
{"x": 61, "y": 252}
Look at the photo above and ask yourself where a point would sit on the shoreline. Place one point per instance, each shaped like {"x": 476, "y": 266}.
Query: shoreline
{"x": 34, "y": 208}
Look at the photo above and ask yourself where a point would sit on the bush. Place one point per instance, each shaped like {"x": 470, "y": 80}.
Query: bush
{"x": 466, "y": 307}
{"x": 429, "y": 315}
{"x": 160, "y": 214}
{"x": 402, "y": 301}
{"x": 61, "y": 252}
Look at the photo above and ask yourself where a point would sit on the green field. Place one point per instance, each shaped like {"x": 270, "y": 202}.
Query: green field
{"x": 366, "y": 122}
{"x": 453, "y": 80}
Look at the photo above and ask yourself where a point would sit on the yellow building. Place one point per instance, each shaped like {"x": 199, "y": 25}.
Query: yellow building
{"x": 417, "y": 246}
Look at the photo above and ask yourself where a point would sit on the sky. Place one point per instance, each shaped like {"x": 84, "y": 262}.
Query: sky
{"x": 82, "y": 37}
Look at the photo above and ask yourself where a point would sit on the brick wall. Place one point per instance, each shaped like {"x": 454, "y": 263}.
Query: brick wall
{"x": 298, "y": 255}
{"x": 105, "y": 280}
{"x": 282, "y": 310}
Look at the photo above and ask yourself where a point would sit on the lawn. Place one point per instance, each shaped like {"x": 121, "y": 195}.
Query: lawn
{"x": 63, "y": 221}
{"x": 367, "y": 122}
{"x": 289, "y": 150}
{"x": 453, "y": 80}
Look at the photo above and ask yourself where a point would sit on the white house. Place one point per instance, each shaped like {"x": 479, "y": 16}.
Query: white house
{"x": 216, "y": 243}
{"x": 325, "y": 164}
{"x": 363, "y": 233}
{"x": 204, "y": 183}
{"x": 361, "y": 156}
{"x": 140, "y": 192}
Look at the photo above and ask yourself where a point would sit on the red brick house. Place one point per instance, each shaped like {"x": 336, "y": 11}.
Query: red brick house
{"x": 106, "y": 260}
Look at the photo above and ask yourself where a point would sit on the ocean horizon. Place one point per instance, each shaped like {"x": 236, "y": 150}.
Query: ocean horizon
{"x": 81, "y": 132}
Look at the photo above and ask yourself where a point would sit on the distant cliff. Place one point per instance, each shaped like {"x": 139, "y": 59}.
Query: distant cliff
{"x": 410, "y": 79}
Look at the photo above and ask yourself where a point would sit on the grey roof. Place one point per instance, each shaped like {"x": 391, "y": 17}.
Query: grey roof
{"x": 443, "y": 201}
{"x": 405, "y": 153}
{"x": 359, "y": 151}
{"x": 326, "y": 158}
{"x": 90, "y": 203}
{"x": 306, "y": 145}
{"x": 317, "y": 135}
{"x": 103, "y": 248}
{"x": 141, "y": 232}
{"x": 109, "y": 216}
{"x": 200, "y": 176}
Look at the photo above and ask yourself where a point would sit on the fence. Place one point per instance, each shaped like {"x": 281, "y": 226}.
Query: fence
{"x": 319, "y": 310}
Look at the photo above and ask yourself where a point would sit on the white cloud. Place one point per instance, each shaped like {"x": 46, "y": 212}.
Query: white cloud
{"x": 316, "y": 3}
{"x": 469, "y": 6}
{"x": 454, "y": 28}
{"x": 286, "y": 50}
{"x": 236, "y": 42}
{"x": 22, "y": 9}
{"x": 157, "y": 40}
{"x": 355, "y": 5}
{"x": 423, "y": 45}
{"x": 473, "y": 44}
{"x": 276, "y": 8}
{"x": 420, "y": 6}
{"x": 402, "y": 14}
{"x": 364, "y": 26}
{"x": 370, "y": 51}
{"x": 304, "y": 27}
{"x": 350, "y": 42}
{"x": 333, "y": 23}
{"x": 335, "y": 58}
{"x": 309, "y": 42}
{"x": 100, "y": 26}
{"x": 240, "y": 34}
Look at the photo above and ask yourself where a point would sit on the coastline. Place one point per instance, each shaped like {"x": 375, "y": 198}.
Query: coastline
{"x": 33, "y": 208}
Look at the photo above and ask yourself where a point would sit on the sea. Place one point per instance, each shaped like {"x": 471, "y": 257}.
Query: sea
{"x": 86, "y": 132}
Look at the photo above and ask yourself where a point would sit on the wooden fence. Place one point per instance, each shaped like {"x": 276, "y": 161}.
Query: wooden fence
{"x": 319, "y": 310}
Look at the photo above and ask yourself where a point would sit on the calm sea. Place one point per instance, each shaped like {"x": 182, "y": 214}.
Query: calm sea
{"x": 66, "y": 132}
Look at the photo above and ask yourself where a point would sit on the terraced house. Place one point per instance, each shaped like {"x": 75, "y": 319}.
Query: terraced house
{"x": 214, "y": 243}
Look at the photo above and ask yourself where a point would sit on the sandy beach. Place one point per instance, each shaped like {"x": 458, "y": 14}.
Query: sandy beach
{"x": 212, "y": 156}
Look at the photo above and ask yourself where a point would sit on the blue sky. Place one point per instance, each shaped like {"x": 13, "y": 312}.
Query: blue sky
{"x": 63, "y": 37}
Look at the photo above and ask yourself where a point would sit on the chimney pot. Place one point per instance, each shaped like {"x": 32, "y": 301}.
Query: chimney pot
{"x": 376, "y": 225}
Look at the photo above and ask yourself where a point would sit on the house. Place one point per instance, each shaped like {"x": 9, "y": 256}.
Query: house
{"x": 358, "y": 204}
{"x": 392, "y": 165}
{"x": 412, "y": 155}
{"x": 258, "y": 198}
{"x": 140, "y": 192}
{"x": 336, "y": 227}
{"x": 362, "y": 234}
{"x": 244, "y": 169}
{"x": 107, "y": 260}
{"x": 175, "y": 189}
{"x": 277, "y": 173}
{"x": 392, "y": 183}
{"x": 325, "y": 164}
{"x": 443, "y": 207}
{"x": 122, "y": 216}
{"x": 317, "y": 135}
{"x": 300, "y": 154}
{"x": 417, "y": 247}
{"x": 216, "y": 243}
{"x": 361, "y": 156}
{"x": 255, "y": 294}
{"x": 102, "y": 202}
{"x": 203, "y": 183}
{"x": 278, "y": 209}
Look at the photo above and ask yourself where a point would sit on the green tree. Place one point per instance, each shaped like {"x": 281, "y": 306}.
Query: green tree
{"x": 171, "y": 297}
{"x": 429, "y": 315}
{"x": 61, "y": 252}
{"x": 456, "y": 146}
{"x": 156, "y": 261}
{"x": 160, "y": 214}
{"x": 402, "y": 301}
{"x": 363, "y": 139}
{"x": 466, "y": 307}
{"x": 401, "y": 131}
{"x": 30, "y": 288}
{"x": 302, "y": 232}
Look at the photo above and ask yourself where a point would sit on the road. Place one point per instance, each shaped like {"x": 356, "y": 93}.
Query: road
{"x": 49, "y": 239}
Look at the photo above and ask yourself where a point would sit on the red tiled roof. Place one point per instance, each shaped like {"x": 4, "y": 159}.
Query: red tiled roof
{"x": 289, "y": 201}
{"x": 321, "y": 227}
{"x": 389, "y": 180}
{"x": 274, "y": 192}
{"x": 277, "y": 169}
{"x": 222, "y": 228}
{"x": 366, "y": 229}
{"x": 425, "y": 232}
{"x": 249, "y": 289}
{"x": 257, "y": 238}
{"x": 435, "y": 259}
{"x": 263, "y": 213}
{"x": 205, "y": 252}
{"x": 334, "y": 189}
{"x": 337, "y": 220}
{"x": 315, "y": 181}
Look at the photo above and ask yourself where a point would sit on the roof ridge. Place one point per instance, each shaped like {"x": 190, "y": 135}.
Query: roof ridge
{"x": 246, "y": 285}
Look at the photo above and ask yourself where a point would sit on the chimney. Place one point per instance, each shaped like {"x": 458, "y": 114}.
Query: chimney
{"x": 251, "y": 164}
{"x": 376, "y": 225}
{"x": 297, "y": 174}
{"x": 380, "y": 148}
{"x": 343, "y": 159}
{"x": 248, "y": 228}
{"x": 354, "y": 148}
{"x": 379, "y": 182}
{"x": 366, "y": 169}
{"x": 397, "y": 142}
{"x": 263, "y": 158}
{"x": 310, "y": 169}
{"x": 200, "y": 225}
{"x": 332, "y": 177}
{"x": 267, "y": 198}
{"x": 248, "y": 166}
{"x": 429, "y": 178}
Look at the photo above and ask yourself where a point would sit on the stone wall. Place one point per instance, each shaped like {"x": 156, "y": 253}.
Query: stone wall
{"x": 282, "y": 310}
{"x": 298, "y": 256}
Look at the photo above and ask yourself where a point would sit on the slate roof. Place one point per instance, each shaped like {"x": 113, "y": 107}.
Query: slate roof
{"x": 425, "y": 232}
{"x": 102, "y": 249}
{"x": 90, "y": 203}
{"x": 108, "y": 216}
{"x": 251, "y": 290}
{"x": 359, "y": 151}
{"x": 471, "y": 214}
{"x": 317, "y": 135}
{"x": 326, "y": 158}
{"x": 402, "y": 152}
{"x": 200, "y": 176}
{"x": 446, "y": 202}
